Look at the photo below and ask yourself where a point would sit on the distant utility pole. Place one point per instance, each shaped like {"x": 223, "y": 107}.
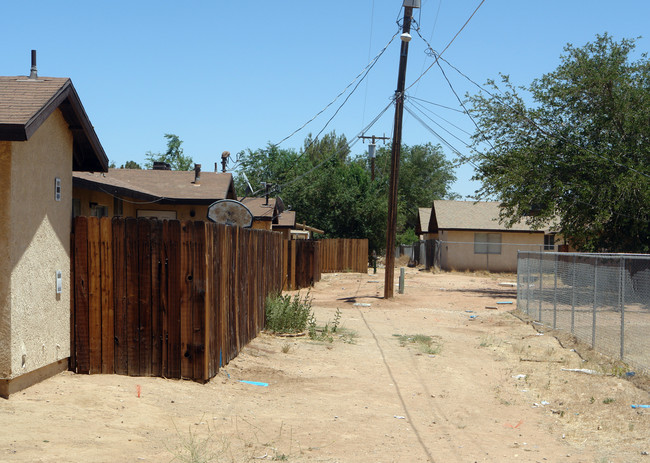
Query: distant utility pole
{"x": 391, "y": 227}
{"x": 371, "y": 151}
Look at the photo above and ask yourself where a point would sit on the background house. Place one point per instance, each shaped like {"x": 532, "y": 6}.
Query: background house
{"x": 265, "y": 212}
{"x": 160, "y": 193}
{"x": 471, "y": 237}
{"x": 44, "y": 134}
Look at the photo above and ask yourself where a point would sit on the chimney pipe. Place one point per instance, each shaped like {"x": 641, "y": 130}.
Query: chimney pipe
{"x": 224, "y": 160}
{"x": 33, "y": 74}
{"x": 216, "y": 167}
{"x": 197, "y": 174}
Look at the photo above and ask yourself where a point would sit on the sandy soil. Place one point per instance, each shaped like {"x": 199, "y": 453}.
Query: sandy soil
{"x": 491, "y": 388}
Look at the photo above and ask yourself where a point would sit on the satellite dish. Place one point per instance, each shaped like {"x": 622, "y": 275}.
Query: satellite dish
{"x": 279, "y": 204}
{"x": 230, "y": 212}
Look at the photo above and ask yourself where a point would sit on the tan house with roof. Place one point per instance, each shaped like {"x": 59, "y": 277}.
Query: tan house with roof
{"x": 45, "y": 134}
{"x": 159, "y": 193}
{"x": 471, "y": 237}
{"x": 265, "y": 212}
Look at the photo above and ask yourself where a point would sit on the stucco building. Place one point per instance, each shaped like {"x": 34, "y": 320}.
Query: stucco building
{"x": 471, "y": 237}
{"x": 45, "y": 134}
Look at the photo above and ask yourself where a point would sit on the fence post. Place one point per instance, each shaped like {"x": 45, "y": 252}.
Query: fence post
{"x": 555, "y": 294}
{"x": 573, "y": 295}
{"x": 541, "y": 286}
{"x": 622, "y": 303}
{"x": 593, "y": 321}
{"x": 528, "y": 284}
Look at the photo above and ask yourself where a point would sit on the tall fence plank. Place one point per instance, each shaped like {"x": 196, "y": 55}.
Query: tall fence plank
{"x": 107, "y": 301}
{"x": 94, "y": 296}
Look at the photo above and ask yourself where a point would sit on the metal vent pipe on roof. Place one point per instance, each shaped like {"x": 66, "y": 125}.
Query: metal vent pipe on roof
{"x": 33, "y": 74}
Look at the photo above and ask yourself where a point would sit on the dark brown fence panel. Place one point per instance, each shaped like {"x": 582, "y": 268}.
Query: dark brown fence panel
{"x": 107, "y": 300}
{"x": 169, "y": 299}
{"x": 343, "y": 255}
{"x": 119, "y": 291}
{"x": 174, "y": 283}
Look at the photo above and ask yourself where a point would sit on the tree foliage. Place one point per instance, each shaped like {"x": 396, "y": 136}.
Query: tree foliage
{"x": 332, "y": 190}
{"x": 578, "y": 153}
{"x": 173, "y": 156}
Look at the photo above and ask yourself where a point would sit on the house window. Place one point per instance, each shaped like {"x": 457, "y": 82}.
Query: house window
{"x": 160, "y": 215}
{"x": 549, "y": 242}
{"x": 118, "y": 207}
{"x": 99, "y": 211}
{"x": 487, "y": 243}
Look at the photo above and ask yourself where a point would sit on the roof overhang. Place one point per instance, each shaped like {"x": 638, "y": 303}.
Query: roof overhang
{"x": 88, "y": 153}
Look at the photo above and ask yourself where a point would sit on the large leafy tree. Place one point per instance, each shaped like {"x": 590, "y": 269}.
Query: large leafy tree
{"x": 573, "y": 147}
{"x": 332, "y": 190}
{"x": 173, "y": 156}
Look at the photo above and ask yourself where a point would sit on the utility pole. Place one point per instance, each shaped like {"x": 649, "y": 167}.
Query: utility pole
{"x": 371, "y": 151}
{"x": 391, "y": 228}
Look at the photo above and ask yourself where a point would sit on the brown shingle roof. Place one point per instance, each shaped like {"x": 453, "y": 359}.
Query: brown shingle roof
{"x": 259, "y": 208}
{"x": 286, "y": 220}
{"x": 170, "y": 186}
{"x": 470, "y": 215}
{"x": 26, "y": 103}
{"x": 424, "y": 215}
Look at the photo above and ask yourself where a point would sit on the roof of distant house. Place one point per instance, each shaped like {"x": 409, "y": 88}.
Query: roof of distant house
{"x": 471, "y": 215}
{"x": 424, "y": 216}
{"x": 286, "y": 220}
{"x": 261, "y": 208}
{"x": 164, "y": 186}
{"x": 26, "y": 103}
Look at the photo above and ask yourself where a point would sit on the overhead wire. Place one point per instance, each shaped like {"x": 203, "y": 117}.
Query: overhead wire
{"x": 448, "y": 45}
{"x": 410, "y": 97}
{"x": 457, "y": 152}
{"x": 546, "y": 131}
{"x": 363, "y": 73}
{"x": 348, "y": 145}
{"x": 422, "y": 108}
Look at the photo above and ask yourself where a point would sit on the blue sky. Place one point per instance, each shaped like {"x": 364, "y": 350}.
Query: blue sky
{"x": 236, "y": 75}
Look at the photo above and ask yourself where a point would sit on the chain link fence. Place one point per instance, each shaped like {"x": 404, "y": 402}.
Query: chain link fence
{"x": 603, "y": 299}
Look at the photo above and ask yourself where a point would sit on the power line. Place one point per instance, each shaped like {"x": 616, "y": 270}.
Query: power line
{"x": 365, "y": 98}
{"x": 544, "y": 130}
{"x": 422, "y": 108}
{"x": 435, "y": 104}
{"x": 348, "y": 145}
{"x": 439, "y": 125}
{"x": 461, "y": 156}
{"x": 448, "y": 45}
{"x": 363, "y": 73}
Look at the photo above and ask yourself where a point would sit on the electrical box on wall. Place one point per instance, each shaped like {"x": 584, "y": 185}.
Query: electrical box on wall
{"x": 59, "y": 282}
{"x": 57, "y": 189}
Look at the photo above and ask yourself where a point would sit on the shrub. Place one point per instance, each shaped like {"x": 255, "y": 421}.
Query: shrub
{"x": 286, "y": 314}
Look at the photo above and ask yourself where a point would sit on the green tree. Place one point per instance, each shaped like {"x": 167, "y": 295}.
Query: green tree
{"x": 173, "y": 156}
{"x": 424, "y": 175}
{"x": 578, "y": 153}
{"x": 130, "y": 165}
{"x": 332, "y": 190}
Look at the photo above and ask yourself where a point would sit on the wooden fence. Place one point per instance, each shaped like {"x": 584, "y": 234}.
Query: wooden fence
{"x": 165, "y": 298}
{"x": 343, "y": 255}
{"x": 301, "y": 260}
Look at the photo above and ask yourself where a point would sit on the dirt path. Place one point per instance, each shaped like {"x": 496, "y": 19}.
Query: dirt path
{"x": 490, "y": 389}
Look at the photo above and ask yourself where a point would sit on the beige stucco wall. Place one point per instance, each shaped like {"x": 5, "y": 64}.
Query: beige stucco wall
{"x": 39, "y": 246}
{"x": 458, "y": 251}
{"x": 5, "y": 264}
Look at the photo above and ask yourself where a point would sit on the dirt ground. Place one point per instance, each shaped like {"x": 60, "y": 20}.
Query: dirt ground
{"x": 490, "y": 388}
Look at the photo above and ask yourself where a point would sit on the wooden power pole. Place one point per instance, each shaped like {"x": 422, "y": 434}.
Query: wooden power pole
{"x": 391, "y": 227}
{"x": 371, "y": 151}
